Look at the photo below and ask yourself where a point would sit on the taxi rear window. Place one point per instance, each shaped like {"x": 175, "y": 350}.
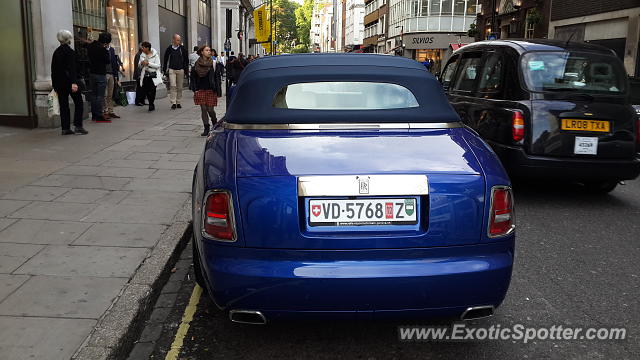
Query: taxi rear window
{"x": 344, "y": 95}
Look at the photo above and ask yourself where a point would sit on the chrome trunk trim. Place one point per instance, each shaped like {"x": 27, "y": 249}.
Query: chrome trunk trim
{"x": 343, "y": 126}
{"x": 351, "y": 185}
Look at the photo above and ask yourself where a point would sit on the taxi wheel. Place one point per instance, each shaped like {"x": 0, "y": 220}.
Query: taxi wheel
{"x": 601, "y": 187}
{"x": 197, "y": 268}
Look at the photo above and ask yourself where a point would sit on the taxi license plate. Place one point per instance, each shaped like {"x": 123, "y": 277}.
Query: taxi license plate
{"x": 359, "y": 212}
{"x": 585, "y": 125}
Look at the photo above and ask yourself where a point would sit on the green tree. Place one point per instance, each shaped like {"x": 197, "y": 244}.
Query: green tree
{"x": 303, "y": 23}
{"x": 286, "y": 32}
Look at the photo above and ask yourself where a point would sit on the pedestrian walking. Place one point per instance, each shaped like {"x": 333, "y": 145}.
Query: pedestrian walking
{"x": 205, "y": 95}
{"x": 149, "y": 69}
{"x": 218, "y": 71}
{"x": 112, "y": 76}
{"x": 98, "y": 61}
{"x": 176, "y": 60}
{"x": 64, "y": 79}
{"x": 140, "y": 94}
{"x": 193, "y": 57}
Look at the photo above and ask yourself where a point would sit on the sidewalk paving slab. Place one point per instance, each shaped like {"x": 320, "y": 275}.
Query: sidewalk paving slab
{"x": 90, "y": 227}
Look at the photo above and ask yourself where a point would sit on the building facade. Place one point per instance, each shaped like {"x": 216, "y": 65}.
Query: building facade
{"x": 375, "y": 26}
{"x": 614, "y": 24}
{"x": 326, "y": 26}
{"x": 425, "y": 29}
{"x": 353, "y": 24}
{"x": 35, "y": 23}
{"x": 522, "y": 19}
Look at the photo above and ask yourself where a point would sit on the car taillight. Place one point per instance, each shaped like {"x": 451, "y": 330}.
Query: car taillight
{"x": 517, "y": 126}
{"x": 218, "y": 222}
{"x": 501, "y": 218}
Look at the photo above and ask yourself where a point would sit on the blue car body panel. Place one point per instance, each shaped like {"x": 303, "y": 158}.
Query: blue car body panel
{"x": 283, "y": 267}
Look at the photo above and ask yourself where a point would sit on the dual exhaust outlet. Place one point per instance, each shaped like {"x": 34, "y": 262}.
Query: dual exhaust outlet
{"x": 257, "y": 318}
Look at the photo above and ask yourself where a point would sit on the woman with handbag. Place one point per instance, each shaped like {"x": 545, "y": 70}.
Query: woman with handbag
{"x": 149, "y": 77}
{"x": 206, "y": 83}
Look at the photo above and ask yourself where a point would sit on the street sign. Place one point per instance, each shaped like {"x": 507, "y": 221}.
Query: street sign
{"x": 492, "y": 37}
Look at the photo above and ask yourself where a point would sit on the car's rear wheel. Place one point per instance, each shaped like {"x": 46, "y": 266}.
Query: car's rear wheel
{"x": 197, "y": 268}
{"x": 600, "y": 187}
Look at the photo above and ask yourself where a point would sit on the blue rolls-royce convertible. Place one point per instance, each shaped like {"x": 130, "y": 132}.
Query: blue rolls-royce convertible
{"x": 345, "y": 186}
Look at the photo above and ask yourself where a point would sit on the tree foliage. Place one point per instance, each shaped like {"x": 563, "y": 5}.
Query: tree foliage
{"x": 284, "y": 20}
{"x": 303, "y": 22}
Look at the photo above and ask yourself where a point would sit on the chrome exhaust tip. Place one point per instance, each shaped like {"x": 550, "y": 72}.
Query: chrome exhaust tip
{"x": 247, "y": 317}
{"x": 477, "y": 312}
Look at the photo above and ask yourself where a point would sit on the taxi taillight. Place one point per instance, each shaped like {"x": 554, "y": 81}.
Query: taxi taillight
{"x": 517, "y": 125}
{"x": 218, "y": 222}
{"x": 501, "y": 217}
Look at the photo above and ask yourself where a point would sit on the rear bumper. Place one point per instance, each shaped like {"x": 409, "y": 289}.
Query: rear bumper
{"x": 520, "y": 164}
{"x": 429, "y": 282}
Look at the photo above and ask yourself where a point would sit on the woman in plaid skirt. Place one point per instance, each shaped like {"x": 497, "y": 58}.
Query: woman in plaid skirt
{"x": 205, "y": 95}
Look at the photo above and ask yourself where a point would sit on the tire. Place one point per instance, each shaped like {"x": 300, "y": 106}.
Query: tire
{"x": 197, "y": 268}
{"x": 601, "y": 187}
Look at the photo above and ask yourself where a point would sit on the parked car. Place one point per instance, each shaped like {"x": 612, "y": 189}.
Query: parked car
{"x": 344, "y": 185}
{"x": 550, "y": 109}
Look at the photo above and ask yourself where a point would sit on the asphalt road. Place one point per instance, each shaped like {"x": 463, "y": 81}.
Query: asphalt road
{"x": 577, "y": 264}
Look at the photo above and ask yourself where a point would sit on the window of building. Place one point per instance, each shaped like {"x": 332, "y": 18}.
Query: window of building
{"x": 204, "y": 12}
{"x": 415, "y": 7}
{"x": 424, "y": 8}
{"x": 459, "y": 7}
{"x": 471, "y": 7}
{"x": 529, "y": 28}
{"x": 434, "y": 8}
{"x": 177, "y": 6}
{"x": 447, "y": 7}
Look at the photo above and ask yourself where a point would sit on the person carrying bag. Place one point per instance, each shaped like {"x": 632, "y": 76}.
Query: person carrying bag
{"x": 150, "y": 67}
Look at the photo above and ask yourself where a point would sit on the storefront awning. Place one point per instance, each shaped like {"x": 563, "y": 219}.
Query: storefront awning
{"x": 455, "y": 47}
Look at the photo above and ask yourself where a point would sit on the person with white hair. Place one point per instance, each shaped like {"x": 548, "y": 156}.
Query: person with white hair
{"x": 64, "y": 79}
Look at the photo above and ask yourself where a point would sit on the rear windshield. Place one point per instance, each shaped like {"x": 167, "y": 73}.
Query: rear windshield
{"x": 344, "y": 95}
{"x": 573, "y": 71}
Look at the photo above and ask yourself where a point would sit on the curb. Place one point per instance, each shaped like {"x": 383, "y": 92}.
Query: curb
{"x": 115, "y": 334}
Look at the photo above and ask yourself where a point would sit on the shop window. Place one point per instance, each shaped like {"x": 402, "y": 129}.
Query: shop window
{"x": 491, "y": 78}
{"x": 424, "y": 8}
{"x": 122, "y": 24}
{"x": 89, "y": 13}
{"x": 468, "y": 73}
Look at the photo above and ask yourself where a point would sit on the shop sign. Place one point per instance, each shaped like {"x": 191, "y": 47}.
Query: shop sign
{"x": 432, "y": 41}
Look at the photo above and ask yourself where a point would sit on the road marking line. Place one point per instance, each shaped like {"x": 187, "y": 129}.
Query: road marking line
{"x": 187, "y": 317}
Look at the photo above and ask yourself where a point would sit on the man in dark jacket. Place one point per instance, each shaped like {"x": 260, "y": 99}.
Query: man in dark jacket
{"x": 176, "y": 59}
{"x": 64, "y": 79}
{"x": 98, "y": 62}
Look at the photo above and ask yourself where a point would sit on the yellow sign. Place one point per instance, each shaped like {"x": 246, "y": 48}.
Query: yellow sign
{"x": 263, "y": 28}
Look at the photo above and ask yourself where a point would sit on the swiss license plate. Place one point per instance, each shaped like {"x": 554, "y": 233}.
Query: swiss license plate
{"x": 359, "y": 212}
{"x": 585, "y": 125}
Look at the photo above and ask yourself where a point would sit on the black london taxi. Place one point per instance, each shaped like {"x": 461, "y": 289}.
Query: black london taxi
{"x": 550, "y": 109}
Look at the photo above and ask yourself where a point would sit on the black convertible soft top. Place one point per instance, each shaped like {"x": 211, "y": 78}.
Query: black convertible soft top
{"x": 252, "y": 100}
